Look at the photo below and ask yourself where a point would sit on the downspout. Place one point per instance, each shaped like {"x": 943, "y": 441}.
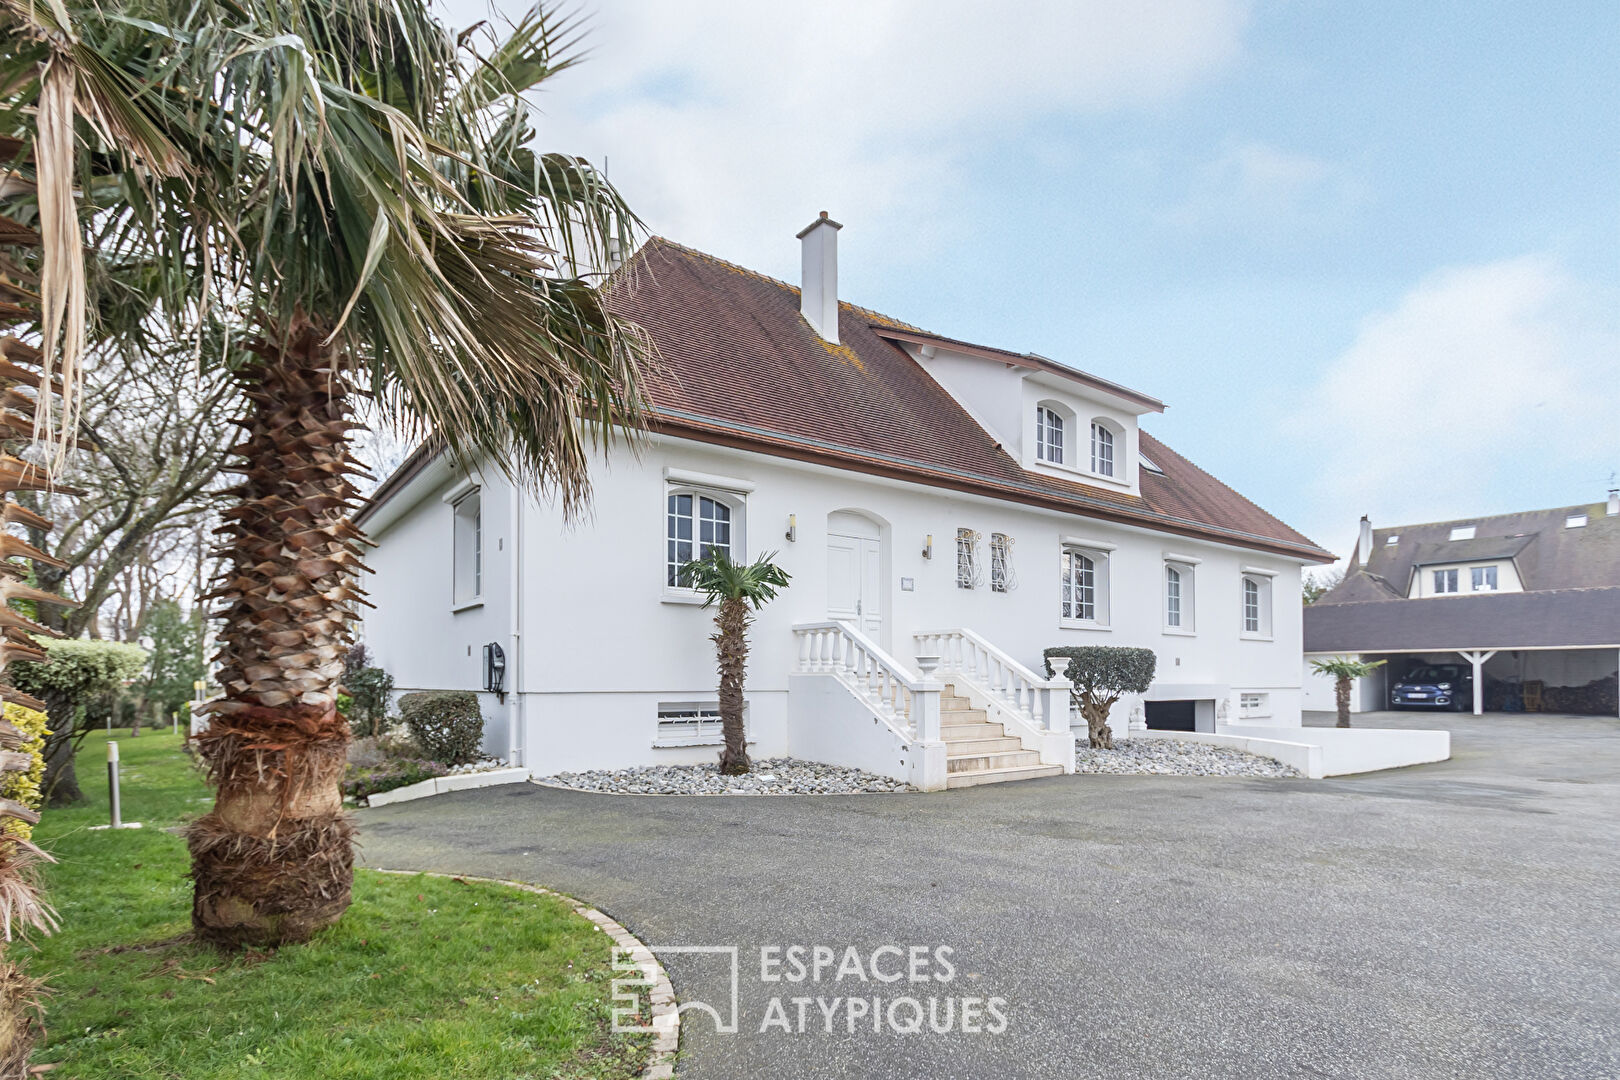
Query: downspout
{"x": 514, "y": 720}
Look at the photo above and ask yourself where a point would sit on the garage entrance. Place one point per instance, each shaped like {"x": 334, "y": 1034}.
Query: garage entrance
{"x": 1171, "y": 715}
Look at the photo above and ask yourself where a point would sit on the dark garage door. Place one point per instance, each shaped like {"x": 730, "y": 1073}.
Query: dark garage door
{"x": 1171, "y": 716}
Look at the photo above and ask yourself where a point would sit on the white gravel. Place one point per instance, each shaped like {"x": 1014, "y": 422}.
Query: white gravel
{"x": 773, "y": 776}
{"x": 1173, "y": 757}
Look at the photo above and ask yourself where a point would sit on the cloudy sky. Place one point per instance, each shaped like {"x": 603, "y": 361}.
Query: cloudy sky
{"x": 1367, "y": 253}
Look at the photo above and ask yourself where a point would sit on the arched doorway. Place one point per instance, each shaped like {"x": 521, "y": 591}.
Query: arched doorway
{"x": 855, "y": 578}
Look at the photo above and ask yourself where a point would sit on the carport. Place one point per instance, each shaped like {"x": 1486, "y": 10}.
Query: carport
{"x": 1531, "y": 643}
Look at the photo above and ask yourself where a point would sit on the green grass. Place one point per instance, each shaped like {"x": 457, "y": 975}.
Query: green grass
{"x": 424, "y": 977}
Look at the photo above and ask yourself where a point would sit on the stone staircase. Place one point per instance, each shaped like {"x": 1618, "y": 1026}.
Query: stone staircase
{"x": 980, "y": 752}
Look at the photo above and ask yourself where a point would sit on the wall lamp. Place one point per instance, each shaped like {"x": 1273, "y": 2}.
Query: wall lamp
{"x": 928, "y": 546}
{"x": 793, "y": 529}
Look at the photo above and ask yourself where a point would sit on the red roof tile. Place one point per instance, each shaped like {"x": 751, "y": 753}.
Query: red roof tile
{"x": 742, "y": 368}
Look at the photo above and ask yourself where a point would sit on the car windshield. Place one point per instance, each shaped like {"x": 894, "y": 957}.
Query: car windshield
{"x": 1432, "y": 674}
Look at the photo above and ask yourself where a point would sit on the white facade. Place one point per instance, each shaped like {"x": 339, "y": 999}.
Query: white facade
{"x": 597, "y": 642}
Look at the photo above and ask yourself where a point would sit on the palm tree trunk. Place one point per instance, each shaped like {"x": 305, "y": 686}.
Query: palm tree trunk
{"x": 273, "y": 861}
{"x": 1341, "y": 698}
{"x": 731, "y": 650}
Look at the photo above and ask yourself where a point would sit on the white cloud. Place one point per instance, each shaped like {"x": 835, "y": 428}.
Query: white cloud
{"x": 1254, "y": 184}
{"x": 1486, "y": 388}
{"x": 729, "y": 123}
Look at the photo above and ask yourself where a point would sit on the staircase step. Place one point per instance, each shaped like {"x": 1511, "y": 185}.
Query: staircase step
{"x": 961, "y": 716}
{"x": 1006, "y": 759}
{"x": 954, "y": 732}
{"x": 989, "y": 744}
{"x": 949, "y": 701}
{"x": 999, "y": 776}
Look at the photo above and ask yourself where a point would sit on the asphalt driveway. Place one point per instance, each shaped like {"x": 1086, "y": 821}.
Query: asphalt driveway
{"x": 1452, "y": 920}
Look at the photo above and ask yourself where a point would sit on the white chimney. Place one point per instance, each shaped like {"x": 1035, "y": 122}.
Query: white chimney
{"x": 1614, "y": 502}
{"x": 818, "y": 266}
{"x": 1364, "y": 548}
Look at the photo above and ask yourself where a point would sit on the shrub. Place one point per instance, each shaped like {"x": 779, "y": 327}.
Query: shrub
{"x": 369, "y": 690}
{"x": 1100, "y": 674}
{"x": 358, "y": 782}
{"x": 78, "y": 673}
{"x": 447, "y": 724}
{"x": 24, "y": 786}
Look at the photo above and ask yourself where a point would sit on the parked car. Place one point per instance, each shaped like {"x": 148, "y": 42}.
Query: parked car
{"x": 1434, "y": 686}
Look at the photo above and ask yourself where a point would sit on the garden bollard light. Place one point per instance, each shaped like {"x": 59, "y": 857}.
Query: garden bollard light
{"x": 112, "y": 784}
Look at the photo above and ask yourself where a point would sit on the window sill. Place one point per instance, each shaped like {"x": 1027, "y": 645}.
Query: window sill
{"x": 686, "y": 744}
{"x": 682, "y": 596}
{"x": 475, "y": 602}
{"x": 1079, "y": 624}
{"x": 1256, "y": 637}
{"x": 1074, "y": 472}
{"x": 1176, "y": 631}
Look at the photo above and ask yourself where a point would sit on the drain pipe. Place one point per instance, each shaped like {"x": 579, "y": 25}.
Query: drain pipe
{"x": 514, "y": 714}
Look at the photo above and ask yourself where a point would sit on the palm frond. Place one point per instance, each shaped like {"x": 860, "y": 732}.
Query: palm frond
{"x": 720, "y": 577}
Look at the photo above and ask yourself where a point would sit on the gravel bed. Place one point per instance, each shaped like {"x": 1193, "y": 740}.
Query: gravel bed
{"x": 1173, "y": 757}
{"x": 773, "y": 776}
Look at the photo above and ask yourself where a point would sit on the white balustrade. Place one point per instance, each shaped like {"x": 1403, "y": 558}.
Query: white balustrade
{"x": 886, "y": 686}
{"x": 1042, "y": 703}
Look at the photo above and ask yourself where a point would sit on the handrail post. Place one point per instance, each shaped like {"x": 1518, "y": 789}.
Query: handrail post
{"x": 925, "y": 710}
{"x": 1054, "y": 695}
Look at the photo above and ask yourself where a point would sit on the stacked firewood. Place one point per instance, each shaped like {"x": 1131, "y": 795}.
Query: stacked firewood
{"x": 21, "y": 384}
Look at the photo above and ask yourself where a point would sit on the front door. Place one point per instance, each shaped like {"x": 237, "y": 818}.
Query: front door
{"x": 854, "y": 582}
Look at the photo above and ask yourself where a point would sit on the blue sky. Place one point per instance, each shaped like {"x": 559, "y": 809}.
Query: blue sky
{"x": 1366, "y": 253}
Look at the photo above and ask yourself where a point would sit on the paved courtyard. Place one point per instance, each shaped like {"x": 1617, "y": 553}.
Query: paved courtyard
{"x": 1452, "y": 920}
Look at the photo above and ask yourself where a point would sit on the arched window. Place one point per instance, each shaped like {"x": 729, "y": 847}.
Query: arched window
{"x": 1102, "y": 450}
{"x": 696, "y": 525}
{"x": 1048, "y": 435}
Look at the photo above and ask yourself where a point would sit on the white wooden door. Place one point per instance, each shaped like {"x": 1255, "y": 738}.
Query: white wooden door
{"x": 854, "y": 582}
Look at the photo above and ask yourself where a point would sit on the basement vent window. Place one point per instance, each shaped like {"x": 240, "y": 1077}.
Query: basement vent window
{"x": 689, "y": 724}
{"x": 1575, "y": 521}
{"x": 1251, "y": 705}
{"x": 1462, "y": 532}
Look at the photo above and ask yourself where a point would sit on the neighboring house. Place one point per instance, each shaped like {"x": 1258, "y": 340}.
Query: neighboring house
{"x": 930, "y": 498}
{"x": 1528, "y": 603}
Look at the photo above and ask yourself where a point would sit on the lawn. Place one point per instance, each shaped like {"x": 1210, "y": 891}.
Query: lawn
{"x": 424, "y": 977}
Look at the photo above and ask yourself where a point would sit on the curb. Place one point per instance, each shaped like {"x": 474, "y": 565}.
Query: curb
{"x": 440, "y": 785}
{"x": 722, "y": 794}
{"x": 666, "y": 1017}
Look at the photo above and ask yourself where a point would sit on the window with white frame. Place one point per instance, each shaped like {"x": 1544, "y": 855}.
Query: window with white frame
{"x": 1084, "y": 586}
{"x": 696, "y": 523}
{"x": 967, "y": 559}
{"x": 1484, "y": 578}
{"x": 1102, "y": 449}
{"x": 1254, "y": 704}
{"x": 1462, "y": 532}
{"x": 690, "y": 724}
{"x": 1575, "y": 521}
{"x": 1048, "y": 434}
{"x": 1002, "y": 578}
{"x": 1179, "y": 596}
{"x": 467, "y": 549}
{"x": 1256, "y": 605}
{"x": 1445, "y": 581}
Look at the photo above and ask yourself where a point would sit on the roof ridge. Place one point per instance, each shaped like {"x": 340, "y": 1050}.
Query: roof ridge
{"x": 1481, "y": 518}
{"x": 872, "y": 313}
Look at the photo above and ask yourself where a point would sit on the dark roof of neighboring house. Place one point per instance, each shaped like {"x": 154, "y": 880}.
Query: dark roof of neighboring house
{"x": 741, "y": 367}
{"x": 1551, "y": 618}
{"x": 1547, "y": 554}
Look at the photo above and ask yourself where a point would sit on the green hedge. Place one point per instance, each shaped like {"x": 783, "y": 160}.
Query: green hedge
{"x": 360, "y": 782}
{"x": 446, "y": 724}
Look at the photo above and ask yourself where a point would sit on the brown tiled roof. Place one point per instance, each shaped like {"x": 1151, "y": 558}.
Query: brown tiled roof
{"x": 740, "y": 367}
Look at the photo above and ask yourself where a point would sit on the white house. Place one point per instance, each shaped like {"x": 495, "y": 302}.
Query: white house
{"x": 931, "y": 498}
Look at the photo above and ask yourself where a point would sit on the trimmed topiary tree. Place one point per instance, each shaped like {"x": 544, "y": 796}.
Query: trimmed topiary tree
{"x": 1101, "y": 675}
{"x": 447, "y": 724}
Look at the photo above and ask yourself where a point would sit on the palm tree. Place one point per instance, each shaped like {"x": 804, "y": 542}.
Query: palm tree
{"x": 1343, "y": 670}
{"x": 356, "y": 193}
{"x": 740, "y": 590}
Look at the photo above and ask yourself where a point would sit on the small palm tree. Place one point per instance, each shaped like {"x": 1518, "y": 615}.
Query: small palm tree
{"x": 1343, "y": 669}
{"x": 739, "y": 590}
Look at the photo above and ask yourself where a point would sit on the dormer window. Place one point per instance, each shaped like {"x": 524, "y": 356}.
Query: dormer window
{"x": 1462, "y": 532}
{"x": 1102, "y": 449}
{"x": 1048, "y": 435}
